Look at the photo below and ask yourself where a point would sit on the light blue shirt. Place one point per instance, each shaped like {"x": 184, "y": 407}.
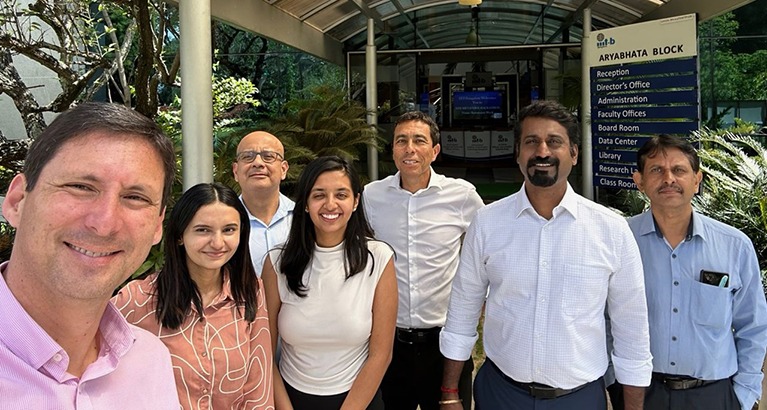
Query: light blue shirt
{"x": 697, "y": 329}
{"x": 264, "y": 237}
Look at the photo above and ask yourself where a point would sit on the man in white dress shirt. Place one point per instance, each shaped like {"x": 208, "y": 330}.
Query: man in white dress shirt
{"x": 259, "y": 168}
{"x": 550, "y": 262}
{"x": 423, "y": 216}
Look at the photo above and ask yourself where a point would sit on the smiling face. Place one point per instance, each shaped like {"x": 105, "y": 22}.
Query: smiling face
{"x": 669, "y": 181}
{"x": 90, "y": 220}
{"x": 544, "y": 154}
{"x": 413, "y": 153}
{"x": 330, "y": 204}
{"x": 258, "y": 175}
{"x": 211, "y": 238}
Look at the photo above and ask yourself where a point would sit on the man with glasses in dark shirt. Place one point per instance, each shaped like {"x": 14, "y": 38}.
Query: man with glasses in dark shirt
{"x": 259, "y": 168}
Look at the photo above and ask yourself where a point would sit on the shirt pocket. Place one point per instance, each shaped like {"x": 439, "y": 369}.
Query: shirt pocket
{"x": 711, "y": 305}
{"x": 584, "y": 292}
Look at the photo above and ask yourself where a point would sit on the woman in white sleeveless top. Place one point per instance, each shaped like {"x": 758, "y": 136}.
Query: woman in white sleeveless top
{"x": 332, "y": 297}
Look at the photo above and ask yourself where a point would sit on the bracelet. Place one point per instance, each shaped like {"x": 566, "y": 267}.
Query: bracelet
{"x": 448, "y": 390}
{"x": 451, "y": 401}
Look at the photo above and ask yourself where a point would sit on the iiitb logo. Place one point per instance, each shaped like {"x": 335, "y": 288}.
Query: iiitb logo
{"x": 603, "y": 42}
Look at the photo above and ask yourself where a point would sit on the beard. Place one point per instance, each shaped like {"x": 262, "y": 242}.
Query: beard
{"x": 543, "y": 178}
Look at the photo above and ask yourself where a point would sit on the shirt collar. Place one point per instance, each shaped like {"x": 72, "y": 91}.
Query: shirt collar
{"x": 569, "y": 203}
{"x": 284, "y": 209}
{"x": 435, "y": 181}
{"x": 21, "y": 334}
{"x": 694, "y": 228}
{"x": 32, "y": 344}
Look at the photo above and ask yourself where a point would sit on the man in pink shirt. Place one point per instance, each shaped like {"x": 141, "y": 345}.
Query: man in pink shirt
{"x": 86, "y": 209}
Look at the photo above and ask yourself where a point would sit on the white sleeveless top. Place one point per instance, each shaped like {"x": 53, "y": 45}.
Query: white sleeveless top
{"x": 326, "y": 335}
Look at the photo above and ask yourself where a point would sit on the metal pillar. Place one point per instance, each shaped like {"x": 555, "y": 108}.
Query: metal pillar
{"x": 196, "y": 92}
{"x": 371, "y": 88}
{"x": 587, "y": 163}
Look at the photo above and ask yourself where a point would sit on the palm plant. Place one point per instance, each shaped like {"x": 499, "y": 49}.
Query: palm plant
{"x": 735, "y": 185}
{"x": 327, "y": 123}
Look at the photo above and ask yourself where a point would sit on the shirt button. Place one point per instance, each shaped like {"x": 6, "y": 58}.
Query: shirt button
{"x": 57, "y": 357}
{"x": 673, "y": 363}
{"x": 205, "y": 391}
{"x": 676, "y": 283}
{"x": 204, "y": 354}
{"x": 673, "y": 255}
{"x": 673, "y": 338}
{"x": 675, "y": 310}
{"x": 544, "y": 263}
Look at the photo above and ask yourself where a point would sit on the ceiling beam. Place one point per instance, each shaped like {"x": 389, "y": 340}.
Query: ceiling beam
{"x": 538, "y": 19}
{"x": 706, "y": 9}
{"x": 403, "y": 12}
{"x": 372, "y": 14}
{"x": 261, "y": 18}
{"x": 571, "y": 18}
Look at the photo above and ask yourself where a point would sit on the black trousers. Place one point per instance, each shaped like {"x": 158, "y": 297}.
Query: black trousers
{"x": 414, "y": 377}
{"x": 306, "y": 401}
{"x": 715, "y": 396}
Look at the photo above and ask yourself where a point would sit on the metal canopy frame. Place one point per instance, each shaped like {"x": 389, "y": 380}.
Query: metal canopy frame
{"x": 329, "y": 28}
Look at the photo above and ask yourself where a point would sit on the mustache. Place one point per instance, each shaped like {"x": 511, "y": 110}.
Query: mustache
{"x": 542, "y": 161}
{"x": 675, "y": 187}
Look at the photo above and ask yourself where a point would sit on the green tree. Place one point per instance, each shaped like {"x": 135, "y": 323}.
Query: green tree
{"x": 729, "y": 71}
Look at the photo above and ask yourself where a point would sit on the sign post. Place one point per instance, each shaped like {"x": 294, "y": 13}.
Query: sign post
{"x": 644, "y": 82}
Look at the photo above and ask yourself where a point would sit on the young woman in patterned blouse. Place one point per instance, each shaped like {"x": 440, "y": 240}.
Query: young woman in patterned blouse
{"x": 207, "y": 305}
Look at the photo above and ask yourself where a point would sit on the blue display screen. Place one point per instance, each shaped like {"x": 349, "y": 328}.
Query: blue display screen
{"x": 478, "y": 106}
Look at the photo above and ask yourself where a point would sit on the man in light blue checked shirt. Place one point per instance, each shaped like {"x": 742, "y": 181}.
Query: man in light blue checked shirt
{"x": 707, "y": 309}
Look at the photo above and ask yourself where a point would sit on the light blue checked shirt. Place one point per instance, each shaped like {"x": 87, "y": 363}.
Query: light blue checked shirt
{"x": 266, "y": 237}
{"x": 702, "y": 330}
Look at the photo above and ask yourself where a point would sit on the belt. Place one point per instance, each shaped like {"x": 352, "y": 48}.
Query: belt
{"x": 537, "y": 390}
{"x": 416, "y": 336}
{"x": 675, "y": 382}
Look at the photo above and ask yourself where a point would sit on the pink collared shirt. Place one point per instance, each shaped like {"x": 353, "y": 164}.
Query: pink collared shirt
{"x": 132, "y": 371}
{"x": 221, "y": 361}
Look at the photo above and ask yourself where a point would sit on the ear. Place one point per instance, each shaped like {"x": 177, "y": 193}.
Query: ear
{"x": 437, "y": 149}
{"x": 234, "y": 171}
{"x": 698, "y": 179}
{"x": 13, "y": 205}
{"x": 574, "y": 154}
{"x": 158, "y": 229}
{"x": 284, "y": 166}
{"x": 356, "y": 201}
{"x": 637, "y": 177}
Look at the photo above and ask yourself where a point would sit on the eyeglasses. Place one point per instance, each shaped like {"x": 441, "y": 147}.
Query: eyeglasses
{"x": 266, "y": 156}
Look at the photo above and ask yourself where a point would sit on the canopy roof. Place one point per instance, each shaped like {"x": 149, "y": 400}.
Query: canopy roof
{"x": 328, "y": 28}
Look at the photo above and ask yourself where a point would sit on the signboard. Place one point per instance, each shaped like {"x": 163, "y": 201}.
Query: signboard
{"x": 673, "y": 37}
{"x": 452, "y": 143}
{"x": 501, "y": 143}
{"x": 644, "y": 82}
{"x": 477, "y": 144}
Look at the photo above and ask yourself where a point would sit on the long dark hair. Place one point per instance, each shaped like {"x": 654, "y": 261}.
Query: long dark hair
{"x": 299, "y": 248}
{"x": 175, "y": 289}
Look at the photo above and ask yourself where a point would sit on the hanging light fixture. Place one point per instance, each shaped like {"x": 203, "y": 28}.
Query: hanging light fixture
{"x": 473, "y": 37}
{"x": 470, "y": 2}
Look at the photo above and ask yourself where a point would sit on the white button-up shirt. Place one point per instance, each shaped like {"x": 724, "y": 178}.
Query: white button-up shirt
{"x": 549, "y": 282}
{"x": 425, "y": 230}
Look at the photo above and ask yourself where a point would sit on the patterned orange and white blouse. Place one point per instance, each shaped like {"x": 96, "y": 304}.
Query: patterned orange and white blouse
{"x": 221, "y": 361}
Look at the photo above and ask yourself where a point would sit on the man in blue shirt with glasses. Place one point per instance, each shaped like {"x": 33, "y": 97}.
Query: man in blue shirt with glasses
{"x": 706, "y": 303}
{"x": 259, "y": 168}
